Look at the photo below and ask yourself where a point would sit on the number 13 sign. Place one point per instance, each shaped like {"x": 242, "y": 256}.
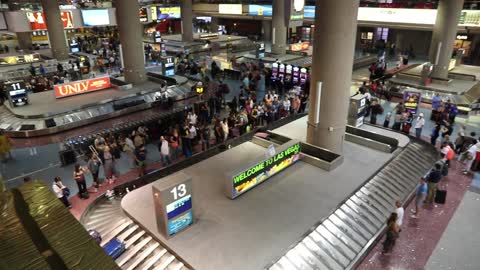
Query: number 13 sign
{"x": 172, "y": 197}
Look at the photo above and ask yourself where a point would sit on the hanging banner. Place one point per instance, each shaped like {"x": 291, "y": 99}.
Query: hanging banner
{"x": 81, "y": 87}
{"x": 37, "y": 20}
{"x": 412, "y": 101}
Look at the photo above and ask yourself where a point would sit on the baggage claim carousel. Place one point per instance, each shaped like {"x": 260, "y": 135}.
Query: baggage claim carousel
{"x": 333, "y": 218}
{"x": 47, "y": 115}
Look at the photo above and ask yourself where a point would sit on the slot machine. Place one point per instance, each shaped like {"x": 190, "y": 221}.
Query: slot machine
{"x": 296, "y": 75}
{"x": 288, "y": 73}
{"x": 303, "y": 76}
{"x": 281, "y": 71}
{"x": 274, "y": 71}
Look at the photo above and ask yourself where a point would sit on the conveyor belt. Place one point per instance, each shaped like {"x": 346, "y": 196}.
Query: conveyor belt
{"x": 142, "y": 251}
{"x": 341, "y": 240}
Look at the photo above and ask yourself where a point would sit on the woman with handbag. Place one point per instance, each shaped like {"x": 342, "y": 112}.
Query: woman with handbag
{"x": 79, "y": 176}
{"x": 392, "y": 234}
{"x": 61, "y": 191}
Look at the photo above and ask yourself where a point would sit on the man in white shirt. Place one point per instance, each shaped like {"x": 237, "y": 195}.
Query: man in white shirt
{"x": 164, "y": 151}
{"x": 192, "y": 118}
{"x": 400, "y": 211}
{"x": 420, "y": 123}
{"x": 286, "y": 105}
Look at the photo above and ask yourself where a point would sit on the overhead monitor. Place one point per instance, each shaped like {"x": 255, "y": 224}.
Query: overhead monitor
{"x": 95, "y": 17}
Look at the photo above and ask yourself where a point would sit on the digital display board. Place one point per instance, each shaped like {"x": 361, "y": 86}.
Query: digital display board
{"x": 37, "y": 19}
{"x": 164, "y": 13}
{"x": 412, "y": 101}
{"x": 309, "y": 12}
{"x": 173, "y": 203}
{"x": 81, "y": 87}
{"x": 95, "y": 17}
{"x": 234, "y": 9}
{"x": 142, "y": 14}
{"x": 17, "y": 93}
{"x": 261, "y": 171}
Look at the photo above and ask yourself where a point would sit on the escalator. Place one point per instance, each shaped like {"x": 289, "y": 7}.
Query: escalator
{"x": 342, "y": 239}
{"x": 143, "y": 252}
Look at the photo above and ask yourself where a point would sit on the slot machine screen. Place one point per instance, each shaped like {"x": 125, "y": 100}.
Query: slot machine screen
{"x": 296, "y": 75}
{"x": 288, "y": 73}
{"x": 303, "y": 75}
{"x": 281, "y": 70}
{"x": 274, "y": 71}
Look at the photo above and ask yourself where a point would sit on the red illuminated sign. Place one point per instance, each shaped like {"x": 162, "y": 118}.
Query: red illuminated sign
{"x": 81, "y": 87}
{"x": 37, "y": 20}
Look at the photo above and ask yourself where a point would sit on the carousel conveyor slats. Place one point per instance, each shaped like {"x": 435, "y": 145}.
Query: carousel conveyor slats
{"x": 142, "y": 251}
{"x": 341, "y": 239}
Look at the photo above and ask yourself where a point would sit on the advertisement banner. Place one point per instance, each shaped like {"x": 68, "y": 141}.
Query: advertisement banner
{"x": 398, "y": 15}
{"x": 265, "y": 169}
{"x": 37, "y": 20}
{"x": 294, "y": 11}
{"x": 81, "y": 87}
{"x": 298, "y": 47}
{"x": 412, "y": 101}
{"x": 260, "y": 10}
{"x": 234, "y": 9}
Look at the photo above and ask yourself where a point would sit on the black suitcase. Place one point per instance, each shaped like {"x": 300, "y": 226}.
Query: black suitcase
{"x": 85, "y": 195}
{"x": 440, "y": 196}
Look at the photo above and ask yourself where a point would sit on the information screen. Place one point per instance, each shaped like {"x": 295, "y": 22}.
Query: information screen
{"x": 260, "y": 172}
{"x": 95, "y": 17}
{"x": 163, "y": 13}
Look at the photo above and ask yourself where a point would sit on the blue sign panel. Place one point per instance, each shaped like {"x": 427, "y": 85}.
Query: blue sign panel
{"x": 180, "y": 223}
{"x": 260, "y": 10}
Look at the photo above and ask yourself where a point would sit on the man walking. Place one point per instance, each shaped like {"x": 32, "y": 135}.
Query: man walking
{"x": 420, "y": 196}
{"x": 433, "y": 177}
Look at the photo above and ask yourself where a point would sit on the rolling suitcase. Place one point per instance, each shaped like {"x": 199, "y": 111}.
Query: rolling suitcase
{"x": 440, "y": 196}
{"x": 114, "y": 248}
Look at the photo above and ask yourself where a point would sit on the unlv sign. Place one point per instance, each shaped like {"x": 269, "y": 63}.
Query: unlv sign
{"x": 81, "y": 87}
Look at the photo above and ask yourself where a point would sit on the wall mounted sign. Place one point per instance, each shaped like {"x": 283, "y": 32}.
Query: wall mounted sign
{"x": 234, "y": 9}
{"x": 411, "y": 101}
{"x": 263, "y": 169}
{"x": 81, "y": 87}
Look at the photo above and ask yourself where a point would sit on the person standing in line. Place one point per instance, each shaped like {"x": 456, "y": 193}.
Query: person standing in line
{"x": 433, "y": 177}
{"x": 141, "y": 158}
{"x": 419, "y": 124}
{"x": 164, "y": 152}
{"x": 225, "y": 129}
{"x": 400, "y": 212}
{"x": 79, "y": 176}
{"x": 392, "y": 234}
{"x": 420, "y": 196}
{"x": 175, "y": 144}
{"x": 129, "y": 148}
{"x": 93, "y": 166}
{"x": 386, "y": 123}
{"x": 435, "y": 134}
{"x": 108, "y": 165}
{"x": 61, "y": 191}
{"x": 469, "y": 157}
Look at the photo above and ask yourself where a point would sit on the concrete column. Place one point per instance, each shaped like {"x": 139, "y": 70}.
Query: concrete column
{"x": 24, "y": 38}
{"x": 267, "y": 30}
{"x": 214, "y": 25}
{"x": 279, "y": 27}
{"x": 333, "y": 51}
{"x": 187, "y": 20}
{"x": 444, "y": 33}
{"x": 131, "y": 39}
{"x": 56, "y": 33}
